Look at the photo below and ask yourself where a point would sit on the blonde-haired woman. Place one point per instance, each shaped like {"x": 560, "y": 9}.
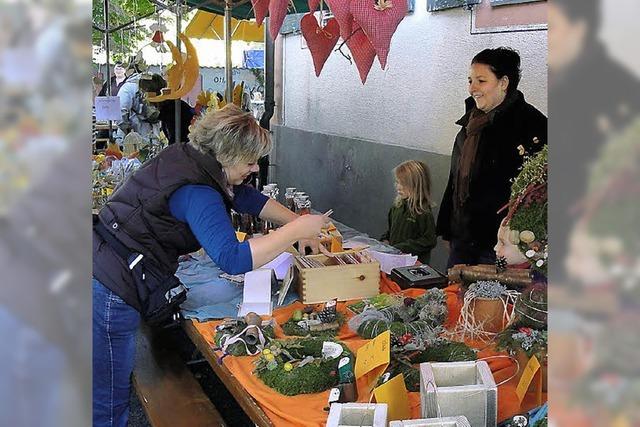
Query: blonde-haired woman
{"x": 411, "y": 226}
{"x": 175, "y": 204}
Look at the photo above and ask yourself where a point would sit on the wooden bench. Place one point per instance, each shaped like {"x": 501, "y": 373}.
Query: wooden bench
{"x": 167, "y": 390}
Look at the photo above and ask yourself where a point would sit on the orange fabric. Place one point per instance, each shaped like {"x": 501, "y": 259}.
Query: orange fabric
{"x": 308, "y": 409}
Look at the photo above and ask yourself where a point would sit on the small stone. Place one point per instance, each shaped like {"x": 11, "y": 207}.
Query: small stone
{"x": 527, "y": 236}
{"x": 530, "y": 253}
{"x": 539, "y": 263}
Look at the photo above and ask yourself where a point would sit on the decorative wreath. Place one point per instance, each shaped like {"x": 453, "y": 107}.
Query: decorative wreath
{"x": 414, "y": 316}
{"x": 325, "y": 323}
{"x": 297, "y": 366}
{"x": 231, "y": 338}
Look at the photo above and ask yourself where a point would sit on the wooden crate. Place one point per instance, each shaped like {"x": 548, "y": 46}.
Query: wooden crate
{"x": 344, "y": 282}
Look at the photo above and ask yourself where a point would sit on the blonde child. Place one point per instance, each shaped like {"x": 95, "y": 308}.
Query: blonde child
{"x": 411, "y": 227}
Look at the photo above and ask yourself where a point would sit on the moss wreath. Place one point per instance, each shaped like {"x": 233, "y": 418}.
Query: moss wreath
{"x": 291, "y": 328}
{"x": 238, "y": 348}
{"x": 296, "y": 366}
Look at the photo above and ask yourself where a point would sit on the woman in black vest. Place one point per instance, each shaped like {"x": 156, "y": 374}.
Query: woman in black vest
{"x": 175, "y": 204}
{"x": 498, "y": 128}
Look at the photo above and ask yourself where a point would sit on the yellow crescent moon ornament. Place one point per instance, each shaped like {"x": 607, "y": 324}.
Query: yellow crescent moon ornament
{"x": 237, "y": 94}
{"x": 174, "y": 74}
{"x": 183, "y": 74}
{"x": 191, "y": 68}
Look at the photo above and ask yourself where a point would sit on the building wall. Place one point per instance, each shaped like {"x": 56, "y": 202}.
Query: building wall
{"x": 338, "y": 139}
{"x": 416, "y": 100}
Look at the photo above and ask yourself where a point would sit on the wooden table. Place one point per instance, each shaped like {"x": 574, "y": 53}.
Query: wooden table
{"x": 244, "y": 399}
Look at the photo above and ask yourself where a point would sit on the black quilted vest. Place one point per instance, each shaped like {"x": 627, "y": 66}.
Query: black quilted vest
{"x": 138, "y": 215}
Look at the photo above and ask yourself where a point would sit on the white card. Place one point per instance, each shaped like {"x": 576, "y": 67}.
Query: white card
{"x": 108, "y": 108}
{"x": 280, "y": 264}
{"x": 256, "y": 295}
{"x": 391, "y": 261}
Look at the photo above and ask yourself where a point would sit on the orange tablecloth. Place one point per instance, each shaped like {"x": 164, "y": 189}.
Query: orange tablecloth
{"x": 308, "y": 409}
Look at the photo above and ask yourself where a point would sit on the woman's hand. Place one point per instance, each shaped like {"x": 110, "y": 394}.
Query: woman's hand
{"x": 309, "y": 226}
{"x": 313, "y": 244}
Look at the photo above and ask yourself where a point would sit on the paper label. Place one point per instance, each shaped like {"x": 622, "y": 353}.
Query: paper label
{"x": 529, "y": 372}
{"x": 331, "y": 350}
{"x": 394, "y": 394}
{"x": 108, "y": 108}
{"x": 371, "y": 362}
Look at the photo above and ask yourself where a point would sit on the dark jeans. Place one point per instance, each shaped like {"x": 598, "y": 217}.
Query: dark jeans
{"x": 115, "y": 324}
{"x": 465, "y": 253}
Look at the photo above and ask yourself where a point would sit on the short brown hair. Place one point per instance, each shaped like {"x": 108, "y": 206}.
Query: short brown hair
{"x": 231, "y": 135}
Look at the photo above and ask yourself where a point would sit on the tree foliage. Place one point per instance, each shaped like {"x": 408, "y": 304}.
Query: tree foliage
{"x": 122, "y": 42}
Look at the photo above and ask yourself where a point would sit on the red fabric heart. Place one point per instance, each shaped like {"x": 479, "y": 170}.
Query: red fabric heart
{"x": 379, "y": 25}
{"x": 342, "y": 12}
{"x": 362, "y": 52}
{"x": 313, "y": 5}
{"x": 260, "y": 8}
{"x": 277, "y": 12}
{"x": 321, "y": 41}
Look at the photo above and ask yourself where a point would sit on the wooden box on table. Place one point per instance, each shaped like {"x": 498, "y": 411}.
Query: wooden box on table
{"x": 343, "y": 282}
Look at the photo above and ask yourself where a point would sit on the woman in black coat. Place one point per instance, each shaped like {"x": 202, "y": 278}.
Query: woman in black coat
{"x": 498, "y": 128}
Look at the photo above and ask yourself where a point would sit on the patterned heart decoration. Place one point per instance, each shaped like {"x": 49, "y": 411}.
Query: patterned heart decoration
{"x": 362, "y": 52}
{"x": 313, "y": 5}
{"x": 342, "y": 12}
{"x": 260, "y": 8}
{"x": 379, "y": 20}
{"x": 321, "y": 41}
{"x": 277, "y": 12}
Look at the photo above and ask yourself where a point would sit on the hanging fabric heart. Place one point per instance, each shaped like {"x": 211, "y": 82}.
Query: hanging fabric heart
{"x": 277, "y": 12}
{"x": 342, "y": 12}
{"x": 313, "y": 5}
{"x": 260, "y": 8}
{"x": 361, "y": 50}
{"x": 321, "y": 41}
{"x": 379, "y": 20}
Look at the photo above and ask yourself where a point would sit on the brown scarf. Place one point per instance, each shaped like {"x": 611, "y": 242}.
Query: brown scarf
{"x": 477, "y": 122}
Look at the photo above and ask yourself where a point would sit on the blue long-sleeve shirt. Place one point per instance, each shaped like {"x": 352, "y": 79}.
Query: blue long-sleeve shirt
{"x": 203, "y": 209}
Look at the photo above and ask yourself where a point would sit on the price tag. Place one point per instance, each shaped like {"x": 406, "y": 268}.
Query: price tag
{"x": 372, "y": 360}
{"x": 394, "y": 394}
{"x": 530, "y": 370}
{"x": 108, "y": 108}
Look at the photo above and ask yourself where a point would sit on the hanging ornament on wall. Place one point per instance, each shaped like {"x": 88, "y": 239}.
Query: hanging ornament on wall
{"x": 260, "y": 8}
{"x": 379, "y": 20}
{"x": 277, "y": 12}
{"x": 341, "y": 10}
{"x": 321, "y": 41}
{"x": 361, "y": 50}
{"x": 157, "y": 40}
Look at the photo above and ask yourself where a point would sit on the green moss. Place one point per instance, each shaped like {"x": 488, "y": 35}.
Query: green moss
{"x": 238, "y": 348}
{"x": 451, "y": 351}
{"x": 291, "y": 328}
{"x": 313, "y": 377}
